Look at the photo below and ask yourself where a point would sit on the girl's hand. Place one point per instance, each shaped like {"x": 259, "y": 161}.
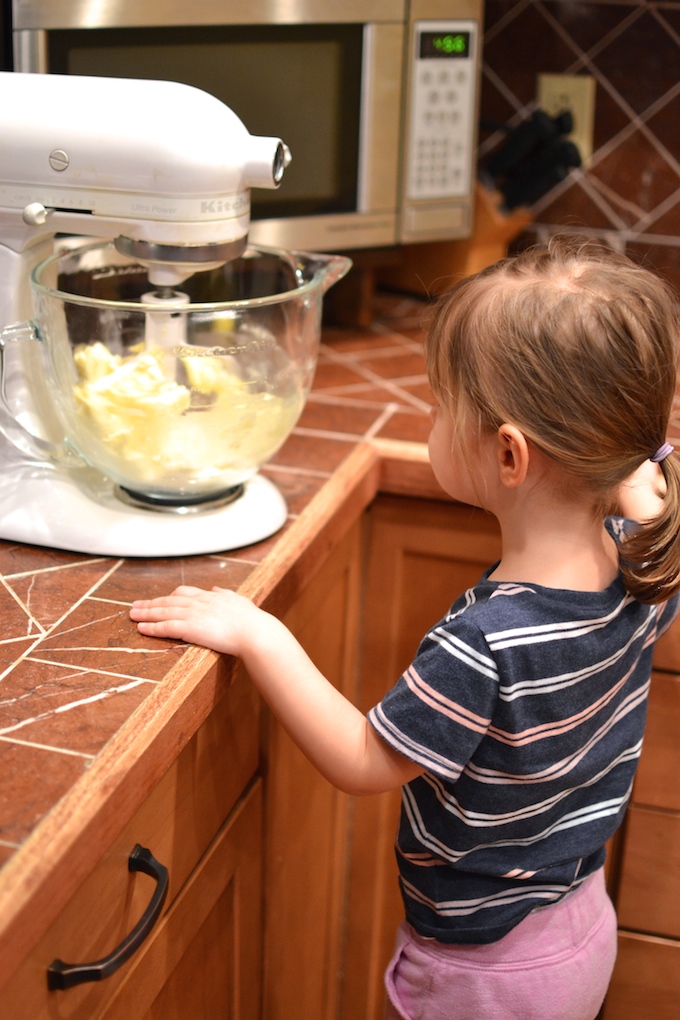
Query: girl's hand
{"x": 336, "y": 737}
{"x": 218, "y": 619}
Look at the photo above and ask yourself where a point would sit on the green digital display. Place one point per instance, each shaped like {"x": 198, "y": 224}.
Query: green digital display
{"x": 445, "y": 45}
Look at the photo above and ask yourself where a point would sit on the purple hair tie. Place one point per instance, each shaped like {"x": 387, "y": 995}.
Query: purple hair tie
{"x": 662, "y": 453}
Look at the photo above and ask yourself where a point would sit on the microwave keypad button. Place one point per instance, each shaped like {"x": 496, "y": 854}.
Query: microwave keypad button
{"x": 440, "y": 156}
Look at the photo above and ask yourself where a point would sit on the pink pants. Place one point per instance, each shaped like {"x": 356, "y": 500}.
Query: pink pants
{"x": 555, "y": 965}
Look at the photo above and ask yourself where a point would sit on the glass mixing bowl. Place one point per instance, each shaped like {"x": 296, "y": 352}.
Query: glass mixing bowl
{"x": 178, "y": 397}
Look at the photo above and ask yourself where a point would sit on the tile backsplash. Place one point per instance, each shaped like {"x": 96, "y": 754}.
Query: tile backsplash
{"x": 629, "y": 192}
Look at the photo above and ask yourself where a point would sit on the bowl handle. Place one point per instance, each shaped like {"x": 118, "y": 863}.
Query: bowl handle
{"x": 21, "y": 437}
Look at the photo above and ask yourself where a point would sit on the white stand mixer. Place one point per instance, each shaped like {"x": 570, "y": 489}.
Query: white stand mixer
{"x": 165, "y": 170}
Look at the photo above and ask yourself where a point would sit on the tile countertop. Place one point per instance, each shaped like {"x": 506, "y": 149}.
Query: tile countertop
{"x": 72, "y": 666}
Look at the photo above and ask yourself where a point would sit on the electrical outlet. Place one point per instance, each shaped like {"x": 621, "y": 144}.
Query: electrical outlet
{"x": 574, "y": 92}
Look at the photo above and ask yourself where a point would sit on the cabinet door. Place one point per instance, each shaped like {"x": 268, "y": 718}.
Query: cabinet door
{"x": 176, "y": 823}
{"x": 204, "y": 960}
{"x": 420, "y": 556}
{"x": 646, "y": 980}
{"x": 656, "y": 783}
{"x": 306, "y": 818}
{"x": 649, "y": 890}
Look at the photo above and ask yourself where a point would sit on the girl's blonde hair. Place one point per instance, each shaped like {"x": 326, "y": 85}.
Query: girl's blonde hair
{"x": 577, "y": 346}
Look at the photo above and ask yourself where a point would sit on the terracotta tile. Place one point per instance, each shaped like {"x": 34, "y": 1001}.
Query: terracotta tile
{"x": 33, "y": 780}
{"x": 610, "y": 119}
{"x": 365, "y": 392}
{"x": 421, "y": 391}
{"x": 360, "y": 344}
{"x": 147, "y": 579}
{"x": 496, "y": 108}
{"x": 101, "y": 636}
{"x": 526, "y": 44}
{"x": 397, "y": 366}
{"x": 664, "y": 124}
{"x": 51, "y": 593}
{"x": 668, "y": 223}
{"x": 588, "y": 23}
{"x": 574, "y": 209}
{"x": 10, "y": 651}
{"x": 5, "y": 853}
{"x": 403, "y": 334}
{"x": 18, "y": 559}
{"x": 331, "y": 374}
{"x": 296, "y": 489}
{"x": 671, "y": 16}
{"x": 495, "y": 10}
{"x": 16, "y": 621}
{"x": 665, "y": 259}
{"x": 61, "y": 707}
{"x": 414, "y": 427}
{"x": 312, "y": 453}
{"x": 331, "y": 417}
{"x": 648, "y": 49}
{"x": 619, "y": 171}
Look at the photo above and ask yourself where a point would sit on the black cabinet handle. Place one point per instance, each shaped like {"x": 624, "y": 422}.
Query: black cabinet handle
{"x": 66, "y": 975}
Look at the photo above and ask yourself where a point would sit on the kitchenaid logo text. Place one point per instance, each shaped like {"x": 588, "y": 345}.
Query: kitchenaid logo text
{"x": 217, "y": 205}
{"x": 221, "y": 352}
{"x": 206, "y": 206}
{"x": 163, "y": 210}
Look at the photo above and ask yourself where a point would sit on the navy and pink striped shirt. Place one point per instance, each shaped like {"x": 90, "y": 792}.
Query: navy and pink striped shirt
{"x": 526, "y": 707}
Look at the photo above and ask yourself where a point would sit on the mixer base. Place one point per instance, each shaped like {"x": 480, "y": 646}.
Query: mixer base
{"x": 78, "y": 511}
{"x": 178, "y": 506}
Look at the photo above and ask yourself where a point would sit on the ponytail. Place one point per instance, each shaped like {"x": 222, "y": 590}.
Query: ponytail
{"x": 650, "y": 557}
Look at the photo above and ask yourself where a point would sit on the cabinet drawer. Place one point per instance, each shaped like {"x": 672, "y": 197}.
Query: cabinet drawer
{"x": 649, "y": 890}
{"x": 646, "y": 979}
{"x": 176, "y": 823}
{"x": 656, "y": 783}
{"x": 204, "y": 959}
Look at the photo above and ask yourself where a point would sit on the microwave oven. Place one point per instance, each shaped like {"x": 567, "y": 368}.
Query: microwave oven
{"x": 376, "y": 99}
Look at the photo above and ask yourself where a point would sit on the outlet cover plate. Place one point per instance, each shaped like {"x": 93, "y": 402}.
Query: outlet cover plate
{"x": 556, "y": 93}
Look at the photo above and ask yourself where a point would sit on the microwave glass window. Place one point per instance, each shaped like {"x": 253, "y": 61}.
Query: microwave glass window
{"x": 299, "y": 83}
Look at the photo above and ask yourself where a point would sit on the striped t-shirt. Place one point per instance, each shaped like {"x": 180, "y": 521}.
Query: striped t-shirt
{"x": 526, "y": 706}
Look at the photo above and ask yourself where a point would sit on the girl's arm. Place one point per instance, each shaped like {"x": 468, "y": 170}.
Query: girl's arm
{"x": 641, "y": 497}
{"x": 335, "y": 736}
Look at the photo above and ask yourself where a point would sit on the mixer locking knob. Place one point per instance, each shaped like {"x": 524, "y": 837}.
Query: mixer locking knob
{"x": 35, "y": 214}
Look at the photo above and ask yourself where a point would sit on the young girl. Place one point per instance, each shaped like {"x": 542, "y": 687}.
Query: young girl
{"x": 517, "y": 729}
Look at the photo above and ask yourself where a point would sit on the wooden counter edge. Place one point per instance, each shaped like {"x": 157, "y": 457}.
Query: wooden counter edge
{"x": 39, "y": 880}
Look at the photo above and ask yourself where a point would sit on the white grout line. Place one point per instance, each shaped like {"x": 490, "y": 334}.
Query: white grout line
{"x": 55, "y": 568}
{"x": 47, "y": 747}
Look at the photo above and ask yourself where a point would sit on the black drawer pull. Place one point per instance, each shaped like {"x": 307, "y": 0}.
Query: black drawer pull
{"x": 66, "y": 975}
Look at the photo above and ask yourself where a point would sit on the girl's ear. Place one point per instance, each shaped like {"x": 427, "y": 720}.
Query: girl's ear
{"x": 513, "y": 456}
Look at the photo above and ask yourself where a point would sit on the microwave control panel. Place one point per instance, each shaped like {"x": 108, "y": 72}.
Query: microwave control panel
{"x": 442, "y": 109}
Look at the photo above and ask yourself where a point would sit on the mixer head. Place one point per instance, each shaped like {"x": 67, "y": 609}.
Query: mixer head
{"x": 163, "y": 167}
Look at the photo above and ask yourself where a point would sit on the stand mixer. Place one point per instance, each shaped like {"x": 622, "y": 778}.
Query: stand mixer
{"x": 120, "y": 398}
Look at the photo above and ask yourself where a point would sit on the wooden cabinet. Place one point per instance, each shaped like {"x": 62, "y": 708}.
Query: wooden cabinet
{"x": 646, "y": 882}
{"x": 179, "y": 823}
{"x": 283, "y": 898}
{"x": 646, "y": 982}
{"x": 306, "y": 828}
{"x": 331, "y": 902}
{"x": 420, "y": 555}
{"x": 204, "y": 959}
